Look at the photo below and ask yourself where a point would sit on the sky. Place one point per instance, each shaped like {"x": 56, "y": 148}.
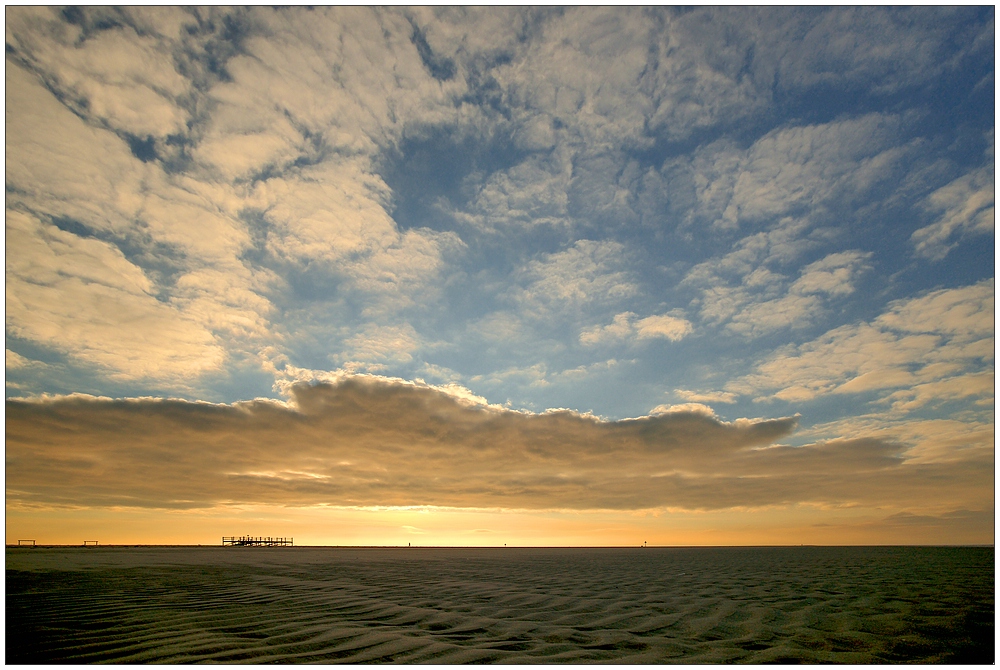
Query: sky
{"x": 486, "y": 276}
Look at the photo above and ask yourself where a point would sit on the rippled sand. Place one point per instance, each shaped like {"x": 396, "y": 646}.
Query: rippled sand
{"x": 699, "y": 605}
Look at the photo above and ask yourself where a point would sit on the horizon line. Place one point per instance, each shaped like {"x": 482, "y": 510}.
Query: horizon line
{"x": 520, "y": 546}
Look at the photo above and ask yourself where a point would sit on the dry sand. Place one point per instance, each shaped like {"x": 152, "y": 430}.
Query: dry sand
{"x": 371, "y": 605}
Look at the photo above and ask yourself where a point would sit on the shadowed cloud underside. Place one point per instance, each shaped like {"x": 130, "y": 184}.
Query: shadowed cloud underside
{"x": 367, "y": 442}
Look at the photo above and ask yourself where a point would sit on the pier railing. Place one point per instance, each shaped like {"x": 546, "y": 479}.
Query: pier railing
{"x": 249, "y": 541}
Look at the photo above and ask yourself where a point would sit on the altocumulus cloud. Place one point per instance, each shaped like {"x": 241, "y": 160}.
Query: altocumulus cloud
{"x": 366, "y": 441}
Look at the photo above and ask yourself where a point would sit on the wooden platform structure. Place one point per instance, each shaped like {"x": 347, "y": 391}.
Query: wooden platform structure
{"x": 248, "y": 541}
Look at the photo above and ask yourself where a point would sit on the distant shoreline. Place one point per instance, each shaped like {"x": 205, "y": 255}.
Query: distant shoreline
{"x": 397, "y": 546}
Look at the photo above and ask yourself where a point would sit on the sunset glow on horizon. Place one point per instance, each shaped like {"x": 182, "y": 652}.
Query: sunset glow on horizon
{"x": 500, "y": 276}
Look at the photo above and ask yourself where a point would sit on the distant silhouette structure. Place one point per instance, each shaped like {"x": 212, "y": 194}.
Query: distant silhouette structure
{"x": 249, "y": 541}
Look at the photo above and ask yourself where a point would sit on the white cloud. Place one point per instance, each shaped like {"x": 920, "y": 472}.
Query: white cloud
{"x": 440, "y": 372}
{"x": 599, "y": 80}
{"x": 59, "y": 166}
{"x": 530, "y": 194}
{"x": 748, "y": 262}
{"x": 882, "y": 51}
{"x": 530, "y": 376}
{"x": 348, "y": 75}
{"x": 919, "y": 343}
{"x": 182, "y": 269}
{"x": 15, "y": 361}
{"x": 833, "y": 275}
{"x": 977, "y": 385}
{"x": 765, "y": 301}
{"x": 378, "y": 344}
{"x": 684, "y": 408}
{"x": 585, "y": 73}
{"x": 187, "y": 227}
{"x": 82, "y": 297}
{"x": 964, "y": 314}
{"x": 968, "y": 439}
{"x": 663, "y": 326}
{"x": 539, "y": 375}
{"x": 706, "y": 396}
{"x": 587, "y": 272}
{"x": 620, "y": 328}
{"x": 791, "y": 171}
{"x": 790, "y": 311}
{"x": 965, "y": 209}
{"x": 624, "y": 327}
{"x": 333, "y": 218}
{"x": 128, "y": 80}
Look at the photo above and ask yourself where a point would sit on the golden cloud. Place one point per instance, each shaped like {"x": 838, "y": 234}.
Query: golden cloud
{"x": 366, "y": 440}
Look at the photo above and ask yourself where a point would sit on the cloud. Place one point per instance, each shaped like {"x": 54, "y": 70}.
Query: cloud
{"x": 748, "y": 262}
{"x": 587, "y": 68}
{"x": 229, "y": 182}
{"x": 372, "y": 441}
{"x": 942, "y": 440}
{"x": 965, "y": 209}
{"x": 331, "y": 221}
{"x": 600, "y": 84}
{"x": 532, "y": 376}
{"x": 918, "y": 343}
{"x": 964, "y": 314}
{"x": 338, "y": 80}
{"x": 799, "y": 171}
{"x": 377, "y": 344}
{"x": 213, "y": 256}
{"x": 765, "y": 301}
{"x": 60, "y": 165}
{"x": 127, "y": 78}
{"x": 663, "y": 326}
{"x": 15, "y": 361}
{"x": 709, "y": 396}
{"x": 684, "y": 408}
{"x": 760, "y": 318}
{"x": 91, "y": 225}
{"x": 850, "y": 47}
{"x": 53, "y": 277}
{"x": 793, "y": 183}
{"x": 624, "y": 326}
{"x": 587, "y": 272}
{"x": 977, "y": 385}
{"x": 532, "y": 193}
{"x": 539, "y": 376}
{"x": 833, "y": 275}
{"x": 620, "y": 328}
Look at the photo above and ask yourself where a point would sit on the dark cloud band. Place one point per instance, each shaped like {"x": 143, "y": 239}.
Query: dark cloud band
{"x": 368, "y": 441}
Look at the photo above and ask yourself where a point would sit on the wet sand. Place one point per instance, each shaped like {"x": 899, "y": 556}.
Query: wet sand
{"x": 372, "y": 605}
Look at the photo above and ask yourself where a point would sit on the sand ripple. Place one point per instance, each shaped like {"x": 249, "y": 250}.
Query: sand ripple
{"x": 259, "y": 605}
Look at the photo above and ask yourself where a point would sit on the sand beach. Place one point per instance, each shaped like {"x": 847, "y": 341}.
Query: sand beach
{"x": 502, "y": 605}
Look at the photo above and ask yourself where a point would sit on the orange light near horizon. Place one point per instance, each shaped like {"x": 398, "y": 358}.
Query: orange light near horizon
{"x": 427, "y": 526}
